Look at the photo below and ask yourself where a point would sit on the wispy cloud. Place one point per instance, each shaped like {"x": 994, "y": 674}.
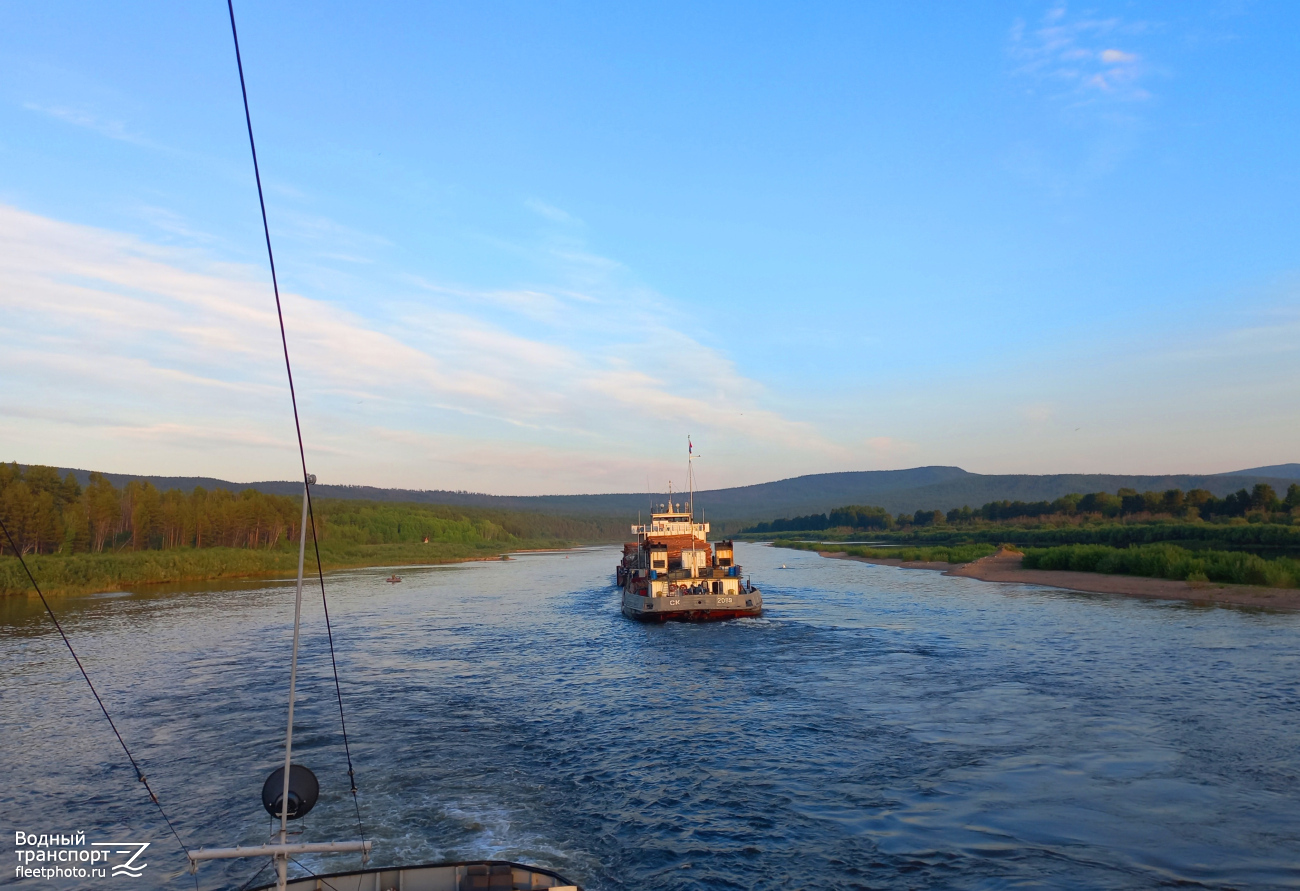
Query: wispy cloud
{"x": 1093, "y": 74}
{"x": 172, "y": 223}
{"x": 549, "y": 306}
{"x": 328, "y": 237}
{"x": 113, "y": 129}
{"x": 550, "y": 212}
{"x": 1082, "y": 59}
{"x": 169, "y": 344}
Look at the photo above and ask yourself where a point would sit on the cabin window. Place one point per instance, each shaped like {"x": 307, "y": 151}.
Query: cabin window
{"x": 660, "y": 564}
{"x": 724, "y": 561}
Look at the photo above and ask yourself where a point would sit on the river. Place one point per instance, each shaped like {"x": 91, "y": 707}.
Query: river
{"x": 877, "y": 728}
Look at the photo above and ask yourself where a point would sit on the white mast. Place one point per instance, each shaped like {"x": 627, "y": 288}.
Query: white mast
{"x": 282, "y": 861}
{"x": 690, "y": 479}
{"x": 283, "y": 851}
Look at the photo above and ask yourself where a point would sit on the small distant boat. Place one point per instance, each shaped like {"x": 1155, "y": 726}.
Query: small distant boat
{"x": 393, "y": 579}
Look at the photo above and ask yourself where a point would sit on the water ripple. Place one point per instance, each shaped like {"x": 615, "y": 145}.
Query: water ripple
{"x": 878, "y": 728}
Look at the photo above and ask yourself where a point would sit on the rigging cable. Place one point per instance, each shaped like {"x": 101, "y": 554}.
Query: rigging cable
{"x": 338, "y": 692}
{"x": 293, "y": 397}
{"x": 253, "y": 878}
{"x": 134, "y": 765}
{"x": 311, "y": 875}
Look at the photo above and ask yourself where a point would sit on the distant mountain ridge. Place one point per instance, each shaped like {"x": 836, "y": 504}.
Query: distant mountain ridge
{"x": 1280, "y": 471}
{"x": 917, "y": 488}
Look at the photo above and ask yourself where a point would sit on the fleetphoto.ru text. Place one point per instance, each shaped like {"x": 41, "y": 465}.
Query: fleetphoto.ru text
{"x": 57, "y": 855}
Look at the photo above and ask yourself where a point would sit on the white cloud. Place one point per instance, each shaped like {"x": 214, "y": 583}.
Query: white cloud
{"x": 1118, "y": 57}
{"x": 127, "y": 356}
{"x": 1078, "y": 59}
{"x": 175, "y": 350}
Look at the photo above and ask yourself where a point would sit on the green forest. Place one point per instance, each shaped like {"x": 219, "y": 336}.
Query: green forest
{"x": 1258, "y": 505}
{"x": 101, "y": 537}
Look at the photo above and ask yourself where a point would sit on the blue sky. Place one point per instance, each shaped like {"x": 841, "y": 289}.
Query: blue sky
{"x": 531, "y": 247}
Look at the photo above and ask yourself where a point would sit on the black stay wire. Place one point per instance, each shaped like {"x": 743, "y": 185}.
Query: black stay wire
{"x": 312, "y": 875}
{"x": 320, "y": 574}
{"x": 253, "y": 877}
{"x": 293, "y": 397}
{"x": 134, "y": 764}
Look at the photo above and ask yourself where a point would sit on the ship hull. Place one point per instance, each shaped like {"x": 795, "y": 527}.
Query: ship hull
{"x": 692, "y": 615}
{"x": 692, "y": 607}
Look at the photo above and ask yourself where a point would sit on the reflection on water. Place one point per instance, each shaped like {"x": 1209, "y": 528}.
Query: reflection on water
{"x": 877, "y": 728}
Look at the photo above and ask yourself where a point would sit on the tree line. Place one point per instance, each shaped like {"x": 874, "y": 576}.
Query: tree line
{"x": 1261, "y": 504}
{"x": 1261, "y": 501}
{"x": 47, "y": 514}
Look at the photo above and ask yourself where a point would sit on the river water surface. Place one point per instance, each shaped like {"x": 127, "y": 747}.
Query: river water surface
{"x": 877, "y": 728}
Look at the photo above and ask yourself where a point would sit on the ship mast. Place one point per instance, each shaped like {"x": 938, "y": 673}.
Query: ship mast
{"x": 690, "y": 507}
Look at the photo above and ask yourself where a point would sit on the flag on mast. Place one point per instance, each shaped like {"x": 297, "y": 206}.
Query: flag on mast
{"x": 690, "y": 449}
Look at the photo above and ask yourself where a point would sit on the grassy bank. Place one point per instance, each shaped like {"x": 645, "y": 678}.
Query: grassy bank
{"x": 64, "y": 574}
{"x": 1264, "y": 539}
{"x": 1162, "y": 561}
{"x": 1170, "y": 562}
{"x": 963, "y": 553}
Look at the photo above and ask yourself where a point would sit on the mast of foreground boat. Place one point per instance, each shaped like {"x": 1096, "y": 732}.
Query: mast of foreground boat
{"x": 282, "y": 857}
{"x": 283, "y": 851}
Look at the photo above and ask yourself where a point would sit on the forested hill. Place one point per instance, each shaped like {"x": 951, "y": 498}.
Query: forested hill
{"x": 1281, "y": 471}
{"x": 918, "y": 488}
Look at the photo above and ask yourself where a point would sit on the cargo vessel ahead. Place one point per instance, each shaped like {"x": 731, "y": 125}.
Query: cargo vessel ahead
{"x": 671, "y": 573}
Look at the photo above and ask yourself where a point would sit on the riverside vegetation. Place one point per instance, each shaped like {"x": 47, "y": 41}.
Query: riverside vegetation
{"x": 1248, "y": 537}
{"x": 102, "y": 538}
{"x": 1259, "y": 505}
{"x": 1162, "y": 561}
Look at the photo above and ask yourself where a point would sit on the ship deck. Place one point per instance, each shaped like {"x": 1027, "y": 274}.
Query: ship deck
{"x": 483, "y": 875}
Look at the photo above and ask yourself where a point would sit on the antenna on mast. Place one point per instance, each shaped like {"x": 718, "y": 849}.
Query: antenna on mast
{"x": 690, "y": 480}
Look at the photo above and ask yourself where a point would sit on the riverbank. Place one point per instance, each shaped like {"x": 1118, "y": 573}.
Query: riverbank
{"x": 74, "y": 574}
{"x": 1005, "y": 566}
